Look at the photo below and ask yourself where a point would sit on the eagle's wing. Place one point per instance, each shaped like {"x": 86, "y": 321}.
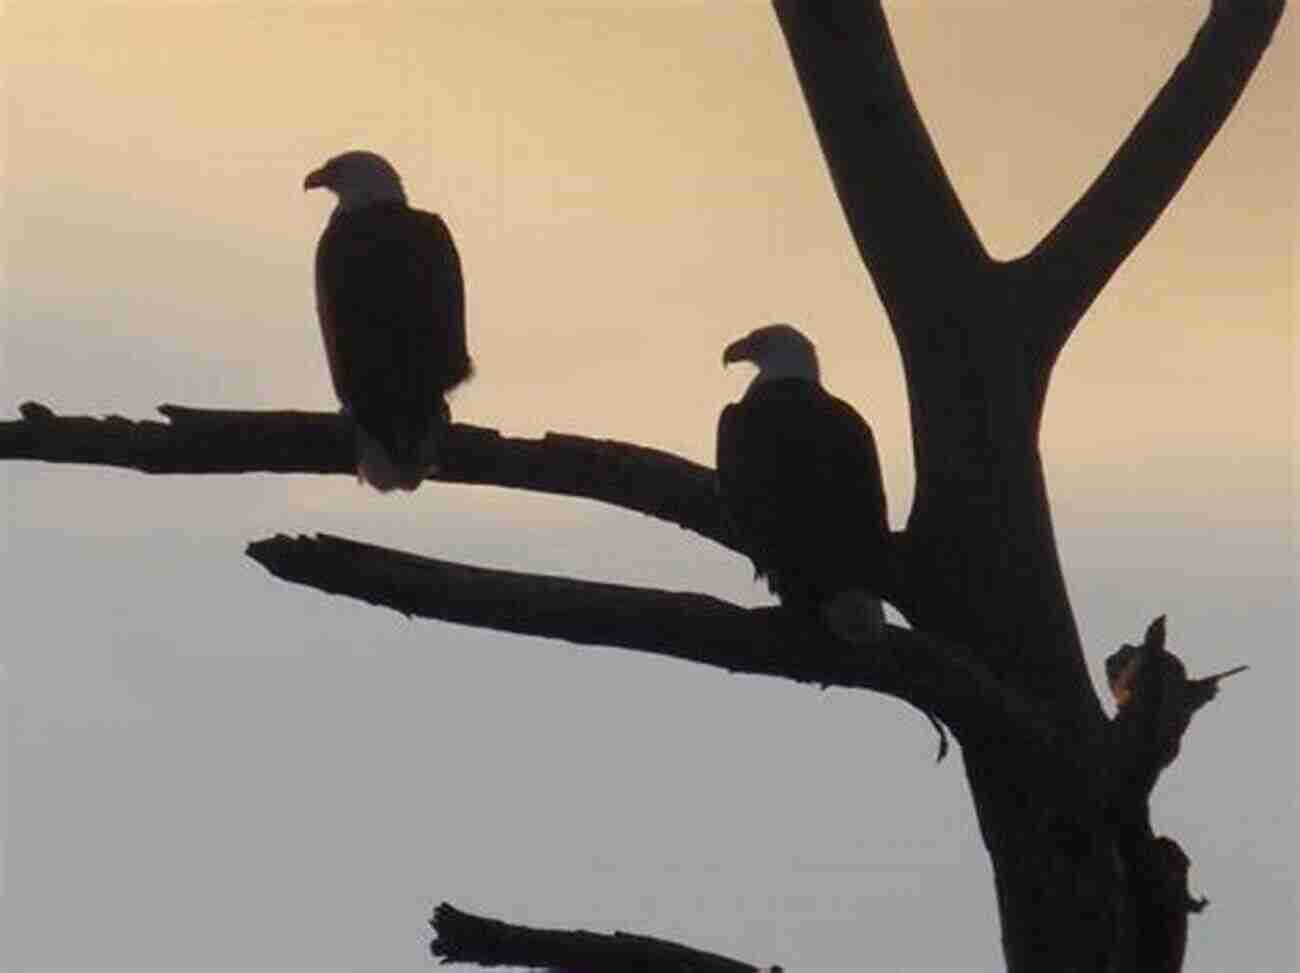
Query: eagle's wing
{"x": 745, "y": 474}
{"x": 768, "y": 473}
{"x": 438, "y": 272}
{"x": 855, "y": 479}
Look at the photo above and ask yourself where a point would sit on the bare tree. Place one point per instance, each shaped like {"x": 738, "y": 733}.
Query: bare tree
{"x": 1060, "y": 789}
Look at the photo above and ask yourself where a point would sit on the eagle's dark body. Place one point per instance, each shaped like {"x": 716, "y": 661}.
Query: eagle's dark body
{"x": 392, "y": 311}
{"x": 800, "y": 482}
{"x": 391, "y": 303}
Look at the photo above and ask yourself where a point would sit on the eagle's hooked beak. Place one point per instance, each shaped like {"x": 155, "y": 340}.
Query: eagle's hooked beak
{"x": 738, "y": 350}
{"x": 314, "y": 180}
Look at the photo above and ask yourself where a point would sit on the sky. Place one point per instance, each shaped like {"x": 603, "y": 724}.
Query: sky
{"x": 207, "y": 769}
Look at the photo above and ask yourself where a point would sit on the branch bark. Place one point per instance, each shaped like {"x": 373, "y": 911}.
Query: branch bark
{"x": 933, "y": 674}
{"x": 649, "y": 481}
{"x": 1064, "y": 274}
{"x": 193, "y": 441}
{"x": 900, "y": 204}
{"x": 465, "y": 938}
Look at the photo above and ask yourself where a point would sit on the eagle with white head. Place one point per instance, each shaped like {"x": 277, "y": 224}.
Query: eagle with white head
{"x": 391, "y": 302}
{"x": 800, "y": 482}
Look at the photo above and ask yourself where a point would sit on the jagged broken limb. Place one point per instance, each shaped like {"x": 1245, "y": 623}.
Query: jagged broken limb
{"x": 939, "y": 677}
{"x": 461, "y": 937}
{"x": 1156, "y": 702}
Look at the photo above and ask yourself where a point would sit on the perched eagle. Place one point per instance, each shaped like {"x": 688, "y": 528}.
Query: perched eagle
{"x": 800, "y": 482}
{"x": 391, "y": 303}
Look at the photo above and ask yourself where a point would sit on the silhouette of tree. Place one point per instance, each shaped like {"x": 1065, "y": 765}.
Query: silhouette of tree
{"x": 1060, "y": 790}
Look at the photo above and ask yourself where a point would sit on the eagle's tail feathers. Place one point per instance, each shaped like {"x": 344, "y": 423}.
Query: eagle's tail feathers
{"x": 381, "y": 470}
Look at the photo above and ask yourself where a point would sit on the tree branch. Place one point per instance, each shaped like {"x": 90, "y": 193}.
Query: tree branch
{"x": 1071, "y": 265}
{"x": 932, "y": 674}
{"x": 903, "y": 211}
{"x": 648, "y": 481}
{"x": 465, "y": 938}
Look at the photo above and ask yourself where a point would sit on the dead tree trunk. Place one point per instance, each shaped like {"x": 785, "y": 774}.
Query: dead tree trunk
{"x": 1083, "y": 883}
{"x": 978, "y": 351}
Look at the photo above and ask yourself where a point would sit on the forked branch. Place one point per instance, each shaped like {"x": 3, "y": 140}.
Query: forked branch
{"x": 937, "y": 676}
{"x": 906, "y": 218}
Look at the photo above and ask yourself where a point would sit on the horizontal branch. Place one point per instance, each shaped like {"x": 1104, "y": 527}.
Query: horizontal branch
{"x": 465, "y": 938}
{"x": 932, "y": 674}
{"x": 648, "y": 481}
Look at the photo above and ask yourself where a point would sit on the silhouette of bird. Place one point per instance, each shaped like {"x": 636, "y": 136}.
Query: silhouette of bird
{"x": 391, "y": 303}
{"x": 800, "y": 482}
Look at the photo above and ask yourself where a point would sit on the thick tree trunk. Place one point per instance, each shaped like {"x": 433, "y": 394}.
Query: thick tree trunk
{"x": 982, "y": 562}
{"x": 1069, "y": 849}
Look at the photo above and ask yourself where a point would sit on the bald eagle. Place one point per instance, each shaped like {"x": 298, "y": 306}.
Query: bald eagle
{"x": 391, "y": 303}
{"x": 800, "y": 482}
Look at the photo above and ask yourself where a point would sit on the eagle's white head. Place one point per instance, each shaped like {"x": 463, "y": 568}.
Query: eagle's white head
{"x": 779, "y": 351}
{"x": 358, "y": 179}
